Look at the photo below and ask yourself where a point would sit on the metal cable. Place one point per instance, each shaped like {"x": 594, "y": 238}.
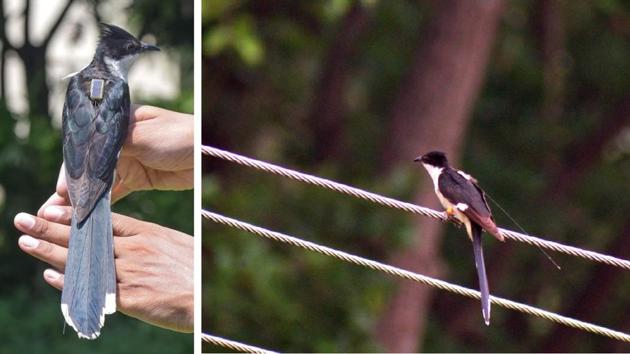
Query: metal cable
{"x": 440, "y": 284}
{"x": 230, "y": 344}
{"x": 409, "y": 207}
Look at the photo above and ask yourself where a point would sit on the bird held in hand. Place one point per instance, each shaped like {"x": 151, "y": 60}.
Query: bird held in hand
{"x": 95, "y": 121}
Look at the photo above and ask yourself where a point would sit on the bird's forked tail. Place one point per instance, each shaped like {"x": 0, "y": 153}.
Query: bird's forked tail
{"x": 481, "y": 272}
{"x": 89, "y": 291}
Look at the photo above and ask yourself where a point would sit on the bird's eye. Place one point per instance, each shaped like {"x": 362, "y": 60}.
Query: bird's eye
{"x": 131, "y": 46}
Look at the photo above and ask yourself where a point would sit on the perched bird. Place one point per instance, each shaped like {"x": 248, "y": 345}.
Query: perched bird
{"x": 95, "y": 122}
{"x": 464, "y": 200}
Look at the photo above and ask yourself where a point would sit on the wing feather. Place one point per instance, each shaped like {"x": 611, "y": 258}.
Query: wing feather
{"x": 456, "y": 188}
{"x": 93, "y": 136}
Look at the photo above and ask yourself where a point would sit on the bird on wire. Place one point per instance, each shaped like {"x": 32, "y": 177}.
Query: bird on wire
{"x": 465, "y": 201}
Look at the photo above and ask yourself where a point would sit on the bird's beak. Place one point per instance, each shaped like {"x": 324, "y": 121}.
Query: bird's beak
{"x": 417, "y": 159}
{"x": 149, "y": 47}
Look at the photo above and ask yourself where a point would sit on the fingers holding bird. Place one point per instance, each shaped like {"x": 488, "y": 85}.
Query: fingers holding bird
{"x": 44, "y": 240}
{"x": 52, "y": 227}
{"x": 54, "y": 278}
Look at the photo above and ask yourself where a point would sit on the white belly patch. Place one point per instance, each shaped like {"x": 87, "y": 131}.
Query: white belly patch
{"x": 461, "y": 206}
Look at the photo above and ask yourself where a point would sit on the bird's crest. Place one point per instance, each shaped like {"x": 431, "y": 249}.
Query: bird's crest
{"x": 111, "y": 32}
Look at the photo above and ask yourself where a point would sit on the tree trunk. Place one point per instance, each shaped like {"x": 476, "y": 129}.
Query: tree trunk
{"x": 34, "y": 59}
{"x": 604, "y": 280}
{"x": 3, "y": 82}
{"x": 549, "y": 23}
{"x": 583, "y": 155}
{"x": 328, "y": 108}
{"x": 3, "y": 53}
{"x": 432, "y": 112}
{"x": 589, "y": 151}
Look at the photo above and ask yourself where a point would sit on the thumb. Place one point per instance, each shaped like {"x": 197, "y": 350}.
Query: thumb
{"x": 124, "y": 226}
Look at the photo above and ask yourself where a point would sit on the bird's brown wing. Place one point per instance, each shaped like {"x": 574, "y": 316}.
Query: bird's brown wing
{"x": 487, "y": 223}
{"x": 458, "y": 189}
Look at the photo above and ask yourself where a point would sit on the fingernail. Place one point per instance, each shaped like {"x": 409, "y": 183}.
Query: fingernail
{"x": 25, "y": 220}
{"x": 28, "y": 241}
{"x": 53, "y": 213}
{"x": 51, "y": 274}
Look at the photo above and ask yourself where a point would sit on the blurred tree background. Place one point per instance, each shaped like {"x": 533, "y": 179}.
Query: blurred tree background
{"x": 30, "y": 156}
{"x": 531, "y": 97}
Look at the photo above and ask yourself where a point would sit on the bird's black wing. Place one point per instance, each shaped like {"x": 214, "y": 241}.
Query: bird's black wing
{"x": 93, "y": 133}
{"x": 458, "y": 189}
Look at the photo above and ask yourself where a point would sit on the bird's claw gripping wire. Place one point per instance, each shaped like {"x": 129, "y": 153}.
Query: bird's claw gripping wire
{"x": 449, "y": 216}
{"x": 408, "y": 207}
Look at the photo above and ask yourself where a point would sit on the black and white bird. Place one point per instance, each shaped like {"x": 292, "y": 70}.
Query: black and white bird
{"x": 464, "y": 200}
{"x": 95, "y": 122}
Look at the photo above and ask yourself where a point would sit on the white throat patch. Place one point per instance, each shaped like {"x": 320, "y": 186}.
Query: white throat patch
{"x": 434, "y": 172}
{"x": 120, "y": 67}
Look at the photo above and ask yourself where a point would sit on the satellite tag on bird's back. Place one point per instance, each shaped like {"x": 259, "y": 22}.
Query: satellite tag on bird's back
{"x": 95, "y": 122}
{"x": 97, "y": 87}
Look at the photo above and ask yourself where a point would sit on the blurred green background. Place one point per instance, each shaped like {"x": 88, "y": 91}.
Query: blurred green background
{"x": 531, "y": 97}
{"x": 30, "y": 156}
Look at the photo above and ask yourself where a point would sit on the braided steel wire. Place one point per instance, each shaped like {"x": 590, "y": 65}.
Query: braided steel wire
{"x": 423, "y": 279}
{"x": 230, "y": 344}
{"x": 408, "y": 207}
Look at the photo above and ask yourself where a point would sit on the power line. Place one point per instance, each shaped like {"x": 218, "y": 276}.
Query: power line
{"x": 408, "y": 207}
{"x": 440, "y": 284}
{"x": 230, "y": 344}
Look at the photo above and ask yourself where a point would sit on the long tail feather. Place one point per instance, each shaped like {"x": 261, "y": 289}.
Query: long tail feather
{"x": 481, "y": 272}
{"x": 89, "y": 291}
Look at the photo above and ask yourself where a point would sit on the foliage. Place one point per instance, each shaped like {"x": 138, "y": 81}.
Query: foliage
{"x": 29, "y": 166}
{"x": 287, "y": 299}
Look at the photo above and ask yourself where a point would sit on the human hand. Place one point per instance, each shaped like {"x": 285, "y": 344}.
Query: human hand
{"x": 158, "y": 154}
{"x": 154, "y": 264}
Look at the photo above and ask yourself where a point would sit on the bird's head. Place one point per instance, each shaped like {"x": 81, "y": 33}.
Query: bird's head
{"x": 119, "y": 49}
{"x": 433, "y": 159}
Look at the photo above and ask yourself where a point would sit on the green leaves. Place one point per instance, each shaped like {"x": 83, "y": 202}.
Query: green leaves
{"x": 239, "y": 35}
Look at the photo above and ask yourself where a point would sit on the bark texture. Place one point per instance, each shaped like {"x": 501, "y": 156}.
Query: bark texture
{"x": 592, "y": 299}
{"x": 327, "y": 113}
{"x": 432, "y": 112}
{"x": 33, "y": 57}
{"x": 582, "y": 157}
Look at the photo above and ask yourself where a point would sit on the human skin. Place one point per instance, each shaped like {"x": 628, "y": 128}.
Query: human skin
{"x": 154, "y": 264}
{"x": 157, "y": 154}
